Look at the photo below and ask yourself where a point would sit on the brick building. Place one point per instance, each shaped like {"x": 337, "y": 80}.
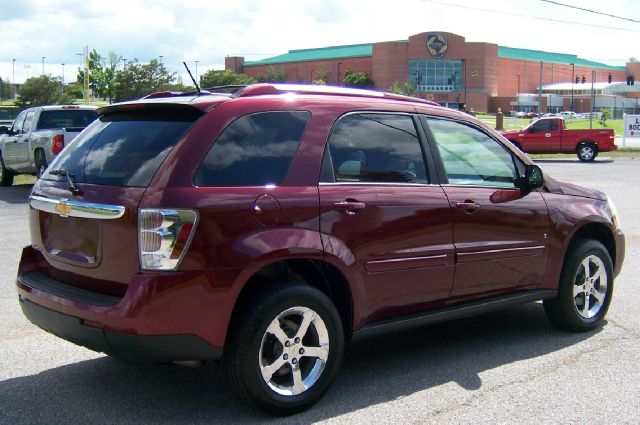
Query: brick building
{"x": 444, "y": 67}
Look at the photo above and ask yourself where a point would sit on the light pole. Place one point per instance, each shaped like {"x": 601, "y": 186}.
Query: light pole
{"x": 573, "y": 71}
{"x": 28, "y": 68}
{"x": 124, "y": 62}
{"x": 161, "y": 59}
{"x": 13, "y": 78}
{"x": 43, "y": 58}
{"x": 518, "y": 94}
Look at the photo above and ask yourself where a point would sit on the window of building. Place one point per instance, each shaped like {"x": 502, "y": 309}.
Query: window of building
{"x": 254, "y": 150}
{"x": 375, "y": 148}
{"x": 436, "y": 75}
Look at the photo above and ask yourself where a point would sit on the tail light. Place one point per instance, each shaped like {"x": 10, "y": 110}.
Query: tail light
{"x": 57, "y": 144}
{"x": 164, "y": 236}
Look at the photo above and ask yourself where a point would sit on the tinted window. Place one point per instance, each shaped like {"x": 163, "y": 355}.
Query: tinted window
{"x": 66, "y": 118}
{"x": 471, "y": 157}
{"x": 254, "y": 150}
{"x": 370, "y": 147}
{"x": 123, "y": 150}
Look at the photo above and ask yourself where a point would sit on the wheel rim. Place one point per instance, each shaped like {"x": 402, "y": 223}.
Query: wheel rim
{"x": 590, "y": 287}
{"x": 586, "y": 152}
{"x": 294, "y": 351}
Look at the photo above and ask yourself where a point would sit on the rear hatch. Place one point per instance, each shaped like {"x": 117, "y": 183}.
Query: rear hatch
{"x": 84, "y": 216}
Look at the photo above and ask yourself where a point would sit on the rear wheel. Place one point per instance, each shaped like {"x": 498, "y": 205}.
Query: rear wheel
{"x": 41, "y": 162}
{"x": 6, "y": 176}
{"x": 284, "y": 349}
{"x": 585, "y": 290}
{"x": 587, "y": 151}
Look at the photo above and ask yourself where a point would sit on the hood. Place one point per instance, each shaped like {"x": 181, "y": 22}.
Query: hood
{"x": 512, "y": 132}
{"x": 563, "y": 188}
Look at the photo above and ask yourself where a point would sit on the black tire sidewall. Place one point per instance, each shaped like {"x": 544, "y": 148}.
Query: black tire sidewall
{"x": 562, "y": 310}
{"x": 247, "y": 364}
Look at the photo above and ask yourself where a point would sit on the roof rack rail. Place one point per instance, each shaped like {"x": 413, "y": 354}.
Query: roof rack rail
{"x": 168, "y": 93}
{"x": 266, "y": 88}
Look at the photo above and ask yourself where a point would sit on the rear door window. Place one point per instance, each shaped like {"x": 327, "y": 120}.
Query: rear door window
{"x": 123, "y": 149}
{"x": 375, "y": 148}
{"x": 254, "y": 150}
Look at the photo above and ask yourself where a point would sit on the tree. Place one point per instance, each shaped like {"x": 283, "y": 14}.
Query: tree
{"x": 405, "y": 89}
{"x": 5, "y": 89}
{"x": 74, "y": 90}
{"x": 320, "y": 76}
{"x": 357, "y": 79}
{"x": 137, "y": 80}
{"x": 101, "y": 73}
{"x": 274, "y": 74}
{"x": 213, "y": 78}
{"x": 605, "y": 116}
{"x": 41, "y": 90}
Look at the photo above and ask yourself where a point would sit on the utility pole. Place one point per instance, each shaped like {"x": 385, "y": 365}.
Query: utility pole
{"x": 540, "y": 92}
{"x": 43, "y": 58}
{"x": 593, "y": 98}
{"x": 573, "y": 77}
{"x": 13, "y": 79}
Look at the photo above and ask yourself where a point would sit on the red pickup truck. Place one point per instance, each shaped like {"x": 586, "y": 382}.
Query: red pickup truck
{"x": 549, "y": 135}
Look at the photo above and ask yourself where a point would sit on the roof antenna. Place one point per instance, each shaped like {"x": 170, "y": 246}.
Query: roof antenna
{"x": 192, "y": 79}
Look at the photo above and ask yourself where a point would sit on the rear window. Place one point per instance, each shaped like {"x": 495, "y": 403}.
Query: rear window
{"x": 66, "y": 118}
{"x": 123, "y": 149}
{"x": 254, "y": 150}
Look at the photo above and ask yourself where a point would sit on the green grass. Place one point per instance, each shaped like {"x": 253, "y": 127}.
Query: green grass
{"x": 24, "y": 179}
{"x": 620, "y": 153}
{"x": 518, "y": 123}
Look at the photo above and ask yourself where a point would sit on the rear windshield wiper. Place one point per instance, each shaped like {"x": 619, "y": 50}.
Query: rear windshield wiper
{"x": 73, "y": 188}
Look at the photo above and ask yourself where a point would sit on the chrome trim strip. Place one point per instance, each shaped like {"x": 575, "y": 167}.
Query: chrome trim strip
{"x": 376, "y": 184}
{"x": 68, "y": 208}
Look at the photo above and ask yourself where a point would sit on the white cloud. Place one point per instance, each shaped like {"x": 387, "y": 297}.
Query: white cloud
{"x": 207, "y": 31}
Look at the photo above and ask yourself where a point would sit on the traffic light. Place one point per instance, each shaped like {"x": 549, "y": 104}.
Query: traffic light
{"x": 577, "y": 79}
{"x": 584, "y": 79}
{"x": 610, "y": 78}
{"x": 630, "y": 80}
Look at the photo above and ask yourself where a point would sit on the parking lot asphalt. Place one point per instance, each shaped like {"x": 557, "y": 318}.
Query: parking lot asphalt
{"x": 509, "y": 366}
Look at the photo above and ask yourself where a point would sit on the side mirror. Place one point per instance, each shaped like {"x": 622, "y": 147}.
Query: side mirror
{"x": 533, "y": 179}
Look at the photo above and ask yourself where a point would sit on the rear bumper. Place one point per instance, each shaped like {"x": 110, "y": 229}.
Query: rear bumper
{"x": 167, "y": 316}
{"x": 154, "y": 348}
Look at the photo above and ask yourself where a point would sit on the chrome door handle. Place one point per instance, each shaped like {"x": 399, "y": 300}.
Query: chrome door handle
{"x": 467, "y": 206}
{"x": 349, "y": 206}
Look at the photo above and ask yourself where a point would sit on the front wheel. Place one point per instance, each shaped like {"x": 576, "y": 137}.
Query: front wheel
{"x": 284, "y": 349}
{"x": 6, "y": 176}
{"x": 587, "y": 151}
{"x": 585, "y": 289}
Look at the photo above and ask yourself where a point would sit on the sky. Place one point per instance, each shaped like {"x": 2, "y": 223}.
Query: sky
{"x": 207, "y": 31}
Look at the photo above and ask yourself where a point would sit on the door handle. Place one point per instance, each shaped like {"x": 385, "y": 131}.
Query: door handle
{"x": 547, "y": 135}
{"x": 467, "y": 206}
{"x": 350, "y": 206}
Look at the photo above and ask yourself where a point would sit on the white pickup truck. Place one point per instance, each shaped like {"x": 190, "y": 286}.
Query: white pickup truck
{"x": 37, "y": 135}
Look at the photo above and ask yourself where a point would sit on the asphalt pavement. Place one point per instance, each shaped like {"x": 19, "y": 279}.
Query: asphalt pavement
{"x": 509, "y": 366}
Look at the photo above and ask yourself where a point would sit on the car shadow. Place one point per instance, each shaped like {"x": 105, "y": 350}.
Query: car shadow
{"x": 375, "y": 370}
{"x": 16, "y": 194}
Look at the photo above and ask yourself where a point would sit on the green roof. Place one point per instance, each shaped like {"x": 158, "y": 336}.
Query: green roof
{"x": 538, "y": 55}
{"x": 323, "y": 53}
{"x": 366, "y": 50}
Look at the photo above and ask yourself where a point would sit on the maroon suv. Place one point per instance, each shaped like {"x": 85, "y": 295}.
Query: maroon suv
{"x": 265, "y": 228}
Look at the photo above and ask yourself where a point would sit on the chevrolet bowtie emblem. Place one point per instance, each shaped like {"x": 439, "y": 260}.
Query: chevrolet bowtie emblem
{"x": 63, "y": 209}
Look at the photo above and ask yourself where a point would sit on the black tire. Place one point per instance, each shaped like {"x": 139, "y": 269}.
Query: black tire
{"x": 6, "y": 176}
{"x": 587, "y": 151}
{"x": 250, "y": 349}
{"x": 568, "y": 310}
{"x": 41, "y": 162}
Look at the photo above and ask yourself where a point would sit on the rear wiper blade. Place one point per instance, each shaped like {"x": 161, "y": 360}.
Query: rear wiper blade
{"x": 73, "y": 188}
